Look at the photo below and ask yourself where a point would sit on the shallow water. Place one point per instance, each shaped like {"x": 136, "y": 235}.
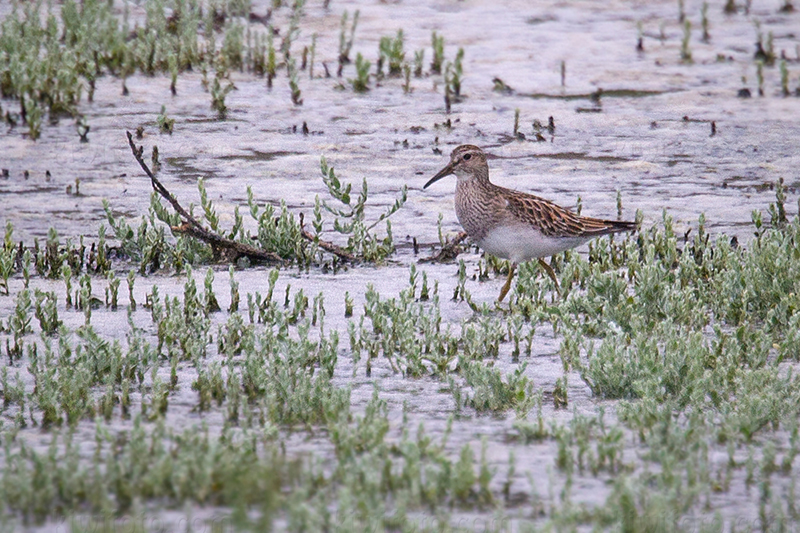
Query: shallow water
{"x": 638, "y": 145}
{"x": 649, "y": 139}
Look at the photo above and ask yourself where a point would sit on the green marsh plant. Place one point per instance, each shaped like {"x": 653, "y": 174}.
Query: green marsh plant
{"x": 164, "y": 122}
{"x": 46, "y": 311}
{"x": 407, "y": 77}
{"x": 313, "y": 54}
{"x": 293, "y": 83}
{"x": 455, "y": 74}
{"x": 437, "y": 43}
{"x": 293, "y": 32}
{"x": 784, "y": 78}
{"x": 686, "y": 51}
{"x": 391, "y": 53}
{"x": 688, "y": 335}
{"x": 350, "y": 218}
{"x": 419, "y": 60}
{"x": 218, "y": 94}
{"x": 19, "y": 325}
{"x": 271, "y": 62}
{"x": 345, "y": 40}
{"x": 360, "y": 83}
{"x": 765, "y": 49}
{"x": 8, "y": 259}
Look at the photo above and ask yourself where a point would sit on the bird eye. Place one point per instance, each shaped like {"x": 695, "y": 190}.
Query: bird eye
{"x": 467, "y": 157}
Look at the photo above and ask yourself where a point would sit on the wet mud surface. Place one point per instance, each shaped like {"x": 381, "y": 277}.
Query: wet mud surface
{"x": 647, "y": 137}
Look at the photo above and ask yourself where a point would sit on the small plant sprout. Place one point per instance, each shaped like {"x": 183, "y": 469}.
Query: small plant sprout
{"x": 361, "y": 82}
{"x": 704, "y": 22}
{"x": 560, "y": 399}
{"x": 87, "y": 301}
{"x": 131, "y": 280}
{"x": 218, "y": 95}
{"x": 407, "y": 76}
{"x": 271, "y": 65}
{"x": 173, "y": 75}
{"x": 457, "y": 73}
{"x": 312, "y": 53}
{"x": 47, "y": 312}
{"x": 66, "y": 275}
{"x": 33, "y": 116}
{"x": 112, "y": 291}
{"x": 448, "y": 91}
{"x": 765, "y": 52}
{"x": 784, "y": 78}
{"x": 165, "y": 124}
{"x": 348, "y": 305}
{"x": 294, "y": 29}
{"x": 19, "y": 324}
{"x": 760, "y": 77}
{"x": 210, "y": 303}
{"x": 153, "y": 160}
{"x": 424, "y": 292}
{"x": 437, "y": 43}
{"x": 686, "y": 51}
{"x": 234, "y": 307}
{"x": 293, "y": 83}
{"x": 770, "y": 49}
{"x": 26, "y": 268}
{"x": 345, "y": 42}
{"x": 8, "y": 257}
{"x": 391, "y": 50}
{"x": 419, "y": 59}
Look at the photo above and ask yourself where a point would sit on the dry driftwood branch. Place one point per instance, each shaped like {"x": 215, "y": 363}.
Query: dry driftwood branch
{"x": 192, "y": 227}
{"x": 336, "y": 250}
{"x": 448, "y": 252}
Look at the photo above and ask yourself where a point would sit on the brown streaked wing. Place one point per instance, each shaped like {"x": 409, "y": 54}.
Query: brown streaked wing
{"x": 555, "y": 221}
{"x": 551, "y": 219}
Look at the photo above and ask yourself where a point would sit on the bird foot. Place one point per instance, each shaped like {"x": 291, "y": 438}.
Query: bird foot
{"x": 547, "y": 268}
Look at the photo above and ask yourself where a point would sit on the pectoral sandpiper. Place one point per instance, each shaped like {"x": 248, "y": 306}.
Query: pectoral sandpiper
{"x": 514, "y": 225}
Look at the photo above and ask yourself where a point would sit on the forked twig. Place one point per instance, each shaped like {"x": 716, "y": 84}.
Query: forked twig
{"x": 190, "y": 224}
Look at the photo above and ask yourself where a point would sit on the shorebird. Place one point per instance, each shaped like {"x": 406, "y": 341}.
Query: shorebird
{"x": 515, "y": 225}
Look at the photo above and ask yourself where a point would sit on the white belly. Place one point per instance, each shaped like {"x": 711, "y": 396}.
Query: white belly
{"x": 522, "y": 243}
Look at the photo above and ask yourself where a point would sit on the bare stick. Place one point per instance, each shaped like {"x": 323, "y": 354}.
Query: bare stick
{"x": 190, "y": 224}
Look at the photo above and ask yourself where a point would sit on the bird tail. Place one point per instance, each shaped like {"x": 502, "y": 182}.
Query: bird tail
{"x": 598, "y": 227}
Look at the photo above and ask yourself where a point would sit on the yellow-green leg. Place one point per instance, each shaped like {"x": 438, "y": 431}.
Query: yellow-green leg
{"x": 507, "y": 286}
{"x": 547, "y": 268}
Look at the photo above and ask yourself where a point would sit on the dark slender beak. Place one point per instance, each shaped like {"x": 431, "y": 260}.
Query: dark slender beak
{"x": 446, "y": 171}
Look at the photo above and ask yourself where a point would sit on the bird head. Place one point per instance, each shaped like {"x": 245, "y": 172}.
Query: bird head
{"x": 466, "y": 161}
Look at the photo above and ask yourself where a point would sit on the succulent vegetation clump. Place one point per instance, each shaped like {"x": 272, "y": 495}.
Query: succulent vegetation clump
{"x": 688, "y": 342}
{"x": 52, "y": 58}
